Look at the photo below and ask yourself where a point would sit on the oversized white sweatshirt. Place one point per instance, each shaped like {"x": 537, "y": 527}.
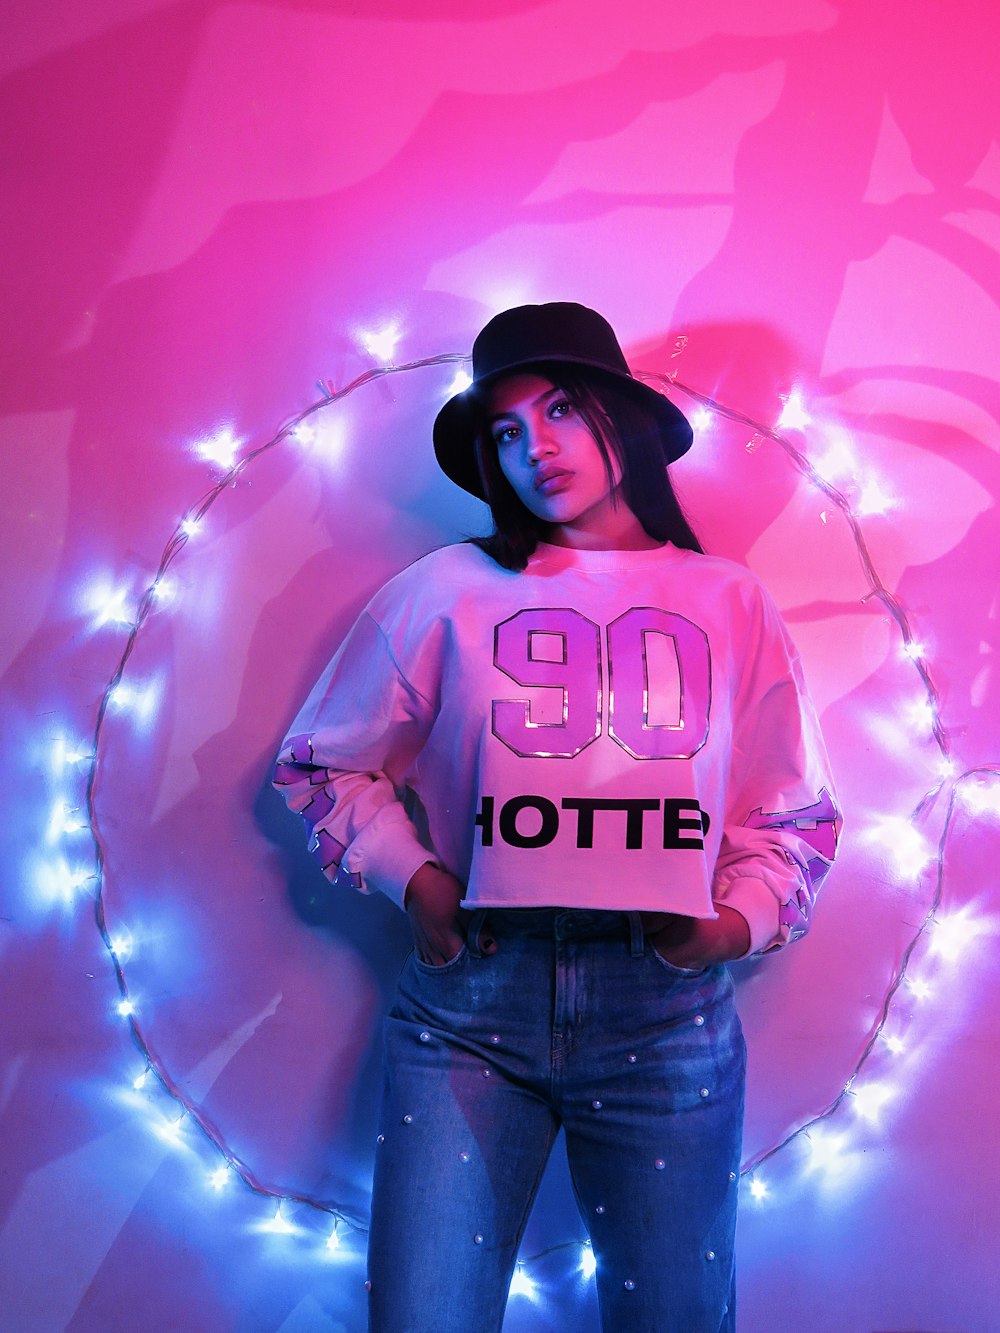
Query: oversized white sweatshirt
{"x": 607, "y": 729}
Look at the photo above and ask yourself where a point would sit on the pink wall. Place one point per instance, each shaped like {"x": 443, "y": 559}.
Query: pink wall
{"x": 208, "y": 204}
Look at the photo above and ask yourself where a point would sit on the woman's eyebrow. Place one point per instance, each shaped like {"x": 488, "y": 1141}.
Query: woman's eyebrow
{"x": 499, "y": 416}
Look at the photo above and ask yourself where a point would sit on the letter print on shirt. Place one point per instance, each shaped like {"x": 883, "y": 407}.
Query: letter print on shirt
{"x": 558, "y": 648}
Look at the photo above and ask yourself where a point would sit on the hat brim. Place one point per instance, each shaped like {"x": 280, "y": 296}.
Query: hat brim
{"x": 454, "y": 426}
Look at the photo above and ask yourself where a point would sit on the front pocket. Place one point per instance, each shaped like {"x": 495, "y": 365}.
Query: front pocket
{"x": 672, "y": 967}
{"x": 435, "y": 968}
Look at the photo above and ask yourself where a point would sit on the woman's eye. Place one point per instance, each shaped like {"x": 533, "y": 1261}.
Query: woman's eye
{"x": 560, "y": 408}
{"x": 505, "y": 434}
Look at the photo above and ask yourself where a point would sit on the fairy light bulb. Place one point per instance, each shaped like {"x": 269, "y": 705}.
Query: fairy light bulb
{"x": 220, "y": 448}
{"x": 873, "y": 500}
{"x": 170, "y": 1130}
{"x": 759, "y": 1188}
{"x": 982, "y": 798}
{"x": 702, "y": 419}
{"x": 123, "y": 696}
{"x": 826, "y": 1149}
{"x": 588, "y": 1263}
{"x": 64, "y": 819}
{"x": 139, "y": 700}
{"x": 952, "y": 934}
{"x": 125, "y": 1008}
{"x": 219, "y": 1178}
{"x": 333, "y": 1241}
{"x": 191, "y": 527}
{"x": 895, "y": 1044}
{"x": 837, "y": 458}
{"x": 793, "y": 414}
{"x": 66, "y": 755}
{"x": 459, "y": 384}
{"x": 904, "y": 843}
{"x": 164, "y": 591}
{"x": 279, "y": 1224}
{"x": 522, "y": 1285}
{"x": 869, "y": 1098}
{"x": 139, "y": 1082}
{"x": 121, "y": 945}
{"x": 106, "y": 605}
{"x": 380, "y": 343}
{"x": 922, "y": 713}
{"x": 919, "y": 988}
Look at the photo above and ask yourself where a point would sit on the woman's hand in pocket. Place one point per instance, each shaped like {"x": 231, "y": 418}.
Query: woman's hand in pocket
{"x": 438, "y": 923}
{"x": 691, "y": 942}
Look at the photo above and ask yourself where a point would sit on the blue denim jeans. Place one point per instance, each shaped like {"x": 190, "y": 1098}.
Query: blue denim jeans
{"x": 552, "y": 1018}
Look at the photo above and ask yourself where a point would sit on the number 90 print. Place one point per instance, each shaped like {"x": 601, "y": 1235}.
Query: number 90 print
{"x": 643, "y": 682}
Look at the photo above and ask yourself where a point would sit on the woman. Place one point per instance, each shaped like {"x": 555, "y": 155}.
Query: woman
{"x": 580, "y": 755}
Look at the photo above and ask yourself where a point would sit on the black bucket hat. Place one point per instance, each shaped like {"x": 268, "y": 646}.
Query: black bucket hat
{"x": 522, "y": 337}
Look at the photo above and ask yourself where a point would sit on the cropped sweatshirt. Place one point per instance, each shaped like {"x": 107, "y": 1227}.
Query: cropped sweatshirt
{"x": 606, "y": 729}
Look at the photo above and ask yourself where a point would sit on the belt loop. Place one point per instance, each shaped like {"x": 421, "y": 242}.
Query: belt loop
{"x": 637, "y": 938}
{"x": 475, "y": 928}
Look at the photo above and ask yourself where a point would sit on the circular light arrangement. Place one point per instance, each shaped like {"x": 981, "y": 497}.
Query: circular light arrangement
{"x": 976, "y": 791}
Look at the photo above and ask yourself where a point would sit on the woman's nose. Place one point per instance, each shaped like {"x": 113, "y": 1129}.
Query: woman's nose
{"x": 541, "y": 441}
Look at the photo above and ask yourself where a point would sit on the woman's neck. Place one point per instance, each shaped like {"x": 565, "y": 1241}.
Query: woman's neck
{"x": 619, "y": 530}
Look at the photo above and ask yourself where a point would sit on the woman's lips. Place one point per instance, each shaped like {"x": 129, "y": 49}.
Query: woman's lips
{"x": 553, "y": 483}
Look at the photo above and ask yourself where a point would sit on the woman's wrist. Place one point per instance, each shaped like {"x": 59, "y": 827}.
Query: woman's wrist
{"x": 697, "y": 941}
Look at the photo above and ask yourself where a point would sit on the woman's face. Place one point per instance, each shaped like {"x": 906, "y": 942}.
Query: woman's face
{"x": 548, "y": 454}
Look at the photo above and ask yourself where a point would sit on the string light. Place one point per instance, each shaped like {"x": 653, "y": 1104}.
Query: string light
{"x": 380, "y": 343}
{"x": 106, "y": 605}
{"x": 983, "y": 798}
{"x": 63, "y": 820}
{"x": 869, "y": 1098}
{"x": 903, "y": 843}
{"x": 219, "y": 1178}
{"x": 827, "y": 1151}
{"x": 588, "y": 1262}
{"x": 953, "y": 934}
{"x": 171, "y": 1130}
{"x": 978, "y": 788}
{"x": 873, "y": 499}
{"x": 521, "y": 1284}
{"x": 837, "y": 458}
{"x": 65, "y": 755}
{"x": 120, "y": 945}
{"x": 220, "y": 448}
{"x": 793, "y": 415}
{"x": 57, "y": 882}
{"x": 279, "y": 1224}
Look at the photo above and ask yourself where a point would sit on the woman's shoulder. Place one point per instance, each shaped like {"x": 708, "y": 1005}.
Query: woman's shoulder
{"x": 456, "y": 558}
{"x": 431, "y": 576}
{"x": 725, "y": 574}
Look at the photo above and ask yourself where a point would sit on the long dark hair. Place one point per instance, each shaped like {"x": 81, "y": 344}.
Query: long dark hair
{"x": 617, "y": 422}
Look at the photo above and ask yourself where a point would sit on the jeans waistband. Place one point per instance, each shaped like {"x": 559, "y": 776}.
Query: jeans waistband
{"x": 557, "y": 923}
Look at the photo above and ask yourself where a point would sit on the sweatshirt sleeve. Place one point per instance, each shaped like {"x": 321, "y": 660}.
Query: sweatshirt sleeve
{"x": 342, "y": 765}
{"x": 782, "y": 820}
